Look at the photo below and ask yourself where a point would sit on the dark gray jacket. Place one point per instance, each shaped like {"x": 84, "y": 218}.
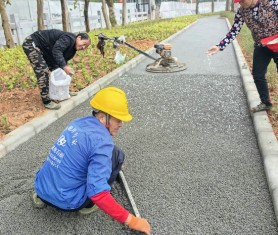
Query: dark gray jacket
{"x": 57, "y": 46}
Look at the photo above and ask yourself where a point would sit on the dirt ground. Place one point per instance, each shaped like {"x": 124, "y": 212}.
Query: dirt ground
{"x": 19, "y": 107}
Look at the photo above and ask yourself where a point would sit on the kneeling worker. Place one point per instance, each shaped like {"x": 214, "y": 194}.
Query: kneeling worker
{"x": 83, "y": 163}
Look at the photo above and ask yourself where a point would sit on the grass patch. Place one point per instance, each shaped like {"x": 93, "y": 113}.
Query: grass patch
{"x": 89, "y": 65}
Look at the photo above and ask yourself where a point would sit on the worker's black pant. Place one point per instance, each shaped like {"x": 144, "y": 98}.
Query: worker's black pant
{"x": 118, "y": 157}
{"x": 40, "y": 67}
{"x": 261, "y": 59}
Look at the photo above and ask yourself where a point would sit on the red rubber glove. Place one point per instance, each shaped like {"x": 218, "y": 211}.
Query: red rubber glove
{"x": 138, "y": 224}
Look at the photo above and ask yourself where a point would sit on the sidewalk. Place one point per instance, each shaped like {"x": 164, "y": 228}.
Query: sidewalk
{"x": 193, "y": 162}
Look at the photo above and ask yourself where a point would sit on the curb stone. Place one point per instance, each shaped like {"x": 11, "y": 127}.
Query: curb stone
{"x": 30, "y": 129}
{"x": 266, "y": 138}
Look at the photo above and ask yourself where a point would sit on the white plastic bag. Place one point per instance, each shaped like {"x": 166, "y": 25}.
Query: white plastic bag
{"x": 59, "y": 83}
{"x": 119, "y": 58}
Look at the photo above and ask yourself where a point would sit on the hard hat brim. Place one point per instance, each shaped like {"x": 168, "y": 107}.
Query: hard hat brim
{"x": 126, "y": 118}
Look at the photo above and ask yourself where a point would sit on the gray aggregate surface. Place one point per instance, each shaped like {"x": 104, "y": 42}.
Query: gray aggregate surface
{"x": 192, "y": 159}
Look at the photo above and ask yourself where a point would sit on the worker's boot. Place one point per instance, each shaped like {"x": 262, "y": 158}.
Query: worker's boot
{"x": 37, "y": 202}
{"x": 261, "y": 107}
{"x": 87, "y": 211}
{"x": 73, "y": 93}
{"x": 52, "y": 105}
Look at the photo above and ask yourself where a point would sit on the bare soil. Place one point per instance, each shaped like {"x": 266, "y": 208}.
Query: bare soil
{"x": 19, "y": 107}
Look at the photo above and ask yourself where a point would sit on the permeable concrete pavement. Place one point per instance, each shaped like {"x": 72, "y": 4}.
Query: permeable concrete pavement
{"x": 192, "y": 159}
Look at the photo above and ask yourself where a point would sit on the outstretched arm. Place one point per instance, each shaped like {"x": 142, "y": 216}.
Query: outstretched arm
{"x": 230, "y": 36}
{"x": 108, "y": 204}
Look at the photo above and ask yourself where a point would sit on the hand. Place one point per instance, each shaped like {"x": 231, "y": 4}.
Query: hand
{"x": 213, "y": 50}
{"x": 68, "y": 70}
{"x": 121, "y": 39}
{"x": 138, "y": 224}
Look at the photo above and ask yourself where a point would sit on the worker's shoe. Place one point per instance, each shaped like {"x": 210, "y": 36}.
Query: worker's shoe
{"x": 72, "y": 93}
{"x": 37, "y": 202}
{"x": 52, "y": 105}
{"x": 261, "y": 107}
{"x": 87, "y": 211}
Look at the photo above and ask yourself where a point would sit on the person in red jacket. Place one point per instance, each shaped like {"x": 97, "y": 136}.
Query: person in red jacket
{"x": 84, "y": 162}
{"x": 261, "y": 17}
{"x": 50, "y": 49}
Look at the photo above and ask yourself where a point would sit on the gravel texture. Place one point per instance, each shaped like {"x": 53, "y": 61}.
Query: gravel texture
{"x": 192, "y": 160}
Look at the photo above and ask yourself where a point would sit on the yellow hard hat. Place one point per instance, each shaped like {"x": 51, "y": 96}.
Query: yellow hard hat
{"x": 113, "y": 101}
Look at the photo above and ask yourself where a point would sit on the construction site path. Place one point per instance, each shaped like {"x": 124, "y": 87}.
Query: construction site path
{"x": 193, "y": 162}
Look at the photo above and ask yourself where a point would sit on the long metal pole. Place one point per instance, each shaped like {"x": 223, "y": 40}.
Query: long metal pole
{"x": 129, "y": 45}
{"x": 129, "y": 195}
{"x": 138, "y": 50}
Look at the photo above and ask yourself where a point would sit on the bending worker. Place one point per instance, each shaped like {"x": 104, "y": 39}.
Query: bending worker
{"x": 83, "y": 163}
{"x": 261, "y": 17}
{"x": 48, "y": 50}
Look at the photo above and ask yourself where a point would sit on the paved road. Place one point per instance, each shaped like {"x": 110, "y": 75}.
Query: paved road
{"x": 193, "y": 163}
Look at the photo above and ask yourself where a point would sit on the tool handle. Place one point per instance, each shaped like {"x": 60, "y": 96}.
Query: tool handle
{"x": 129, "y": 195}
{"x": 140, "y": 51}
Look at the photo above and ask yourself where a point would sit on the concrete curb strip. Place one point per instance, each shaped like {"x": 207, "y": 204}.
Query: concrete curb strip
{"x": 28, "y": 130}
{"x": 274, "y": 194}
{"x": 266, "y": 138}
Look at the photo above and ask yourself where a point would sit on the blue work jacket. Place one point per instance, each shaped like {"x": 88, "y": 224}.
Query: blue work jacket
{"x": 77, "y": 166}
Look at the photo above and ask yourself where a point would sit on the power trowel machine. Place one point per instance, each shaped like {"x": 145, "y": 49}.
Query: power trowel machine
{"x": 165, "y": 64}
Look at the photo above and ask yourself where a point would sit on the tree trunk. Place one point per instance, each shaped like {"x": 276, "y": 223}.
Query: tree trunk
{"x": 105, "y": 15}
{"x": 40, "y": 14}
{"x": 197, "y": 7}
{"x": 112, "y": 17}
{"x": 212, "y": 6}
{"x": 232, "y": 6}
{"x": 227, "y": 5}
{"x": 124, "y": 13}
{"x": 86, "y": 15}
{"x": 157, "y": 8}
{"x": 6, "y": 26}
{"x": 65, "y": 15}
{"x": 152, "y": 9}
